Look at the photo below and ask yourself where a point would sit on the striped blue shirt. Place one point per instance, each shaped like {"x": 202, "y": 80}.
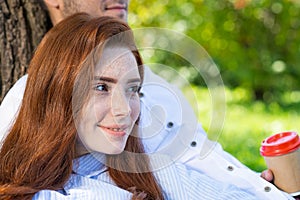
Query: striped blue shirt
{"x": 90, "y": 181}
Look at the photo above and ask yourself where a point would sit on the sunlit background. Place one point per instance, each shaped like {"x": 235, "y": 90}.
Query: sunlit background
{"x": 256, "y": 46}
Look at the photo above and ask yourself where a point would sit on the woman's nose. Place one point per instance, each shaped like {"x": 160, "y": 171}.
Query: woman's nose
{"x": 120, "y": 104}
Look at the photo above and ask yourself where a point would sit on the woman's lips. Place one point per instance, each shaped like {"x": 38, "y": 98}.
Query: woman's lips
{"x": 114, "y": 131}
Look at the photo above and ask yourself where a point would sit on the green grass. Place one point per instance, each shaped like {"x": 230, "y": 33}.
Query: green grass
{"x": 245, "y": 124}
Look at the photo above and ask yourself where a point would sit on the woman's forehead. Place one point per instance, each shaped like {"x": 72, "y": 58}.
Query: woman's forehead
{"x": 116, "y": 61}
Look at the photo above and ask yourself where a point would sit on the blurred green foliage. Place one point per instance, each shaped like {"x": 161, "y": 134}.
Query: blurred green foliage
{"x": 256, "y": 46}
{"x": 246, "y": 124}
{"x": 255, "y": 43}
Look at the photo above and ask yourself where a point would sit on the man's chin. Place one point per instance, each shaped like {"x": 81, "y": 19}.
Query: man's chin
{"x": 122, "y": 15}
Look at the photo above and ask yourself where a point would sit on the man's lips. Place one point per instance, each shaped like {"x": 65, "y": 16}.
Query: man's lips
{"x": 116, "y": 7}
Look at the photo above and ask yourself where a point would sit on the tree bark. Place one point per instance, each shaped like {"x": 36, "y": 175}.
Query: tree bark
{"x": 23, "y": 23}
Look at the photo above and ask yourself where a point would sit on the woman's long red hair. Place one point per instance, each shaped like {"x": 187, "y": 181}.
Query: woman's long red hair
{"x": 38, "y": 152}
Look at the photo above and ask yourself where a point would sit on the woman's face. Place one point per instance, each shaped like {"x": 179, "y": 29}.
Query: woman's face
{"x": 113, "y": 107}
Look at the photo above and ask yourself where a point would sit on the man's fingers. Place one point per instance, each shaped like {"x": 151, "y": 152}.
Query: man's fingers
{"x": 267, "y": 175}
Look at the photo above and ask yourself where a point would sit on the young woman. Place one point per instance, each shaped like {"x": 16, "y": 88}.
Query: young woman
{"x": 76, "y": 135}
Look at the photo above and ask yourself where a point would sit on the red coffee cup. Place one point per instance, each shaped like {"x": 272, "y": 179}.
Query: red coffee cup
{"x": 281, "y": 152}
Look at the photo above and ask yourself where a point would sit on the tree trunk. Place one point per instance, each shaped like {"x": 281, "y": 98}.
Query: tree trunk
{"x": 22, "y": 25}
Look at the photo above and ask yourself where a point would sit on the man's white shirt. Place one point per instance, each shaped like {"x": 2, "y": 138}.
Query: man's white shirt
{"x": 169, "y": 126}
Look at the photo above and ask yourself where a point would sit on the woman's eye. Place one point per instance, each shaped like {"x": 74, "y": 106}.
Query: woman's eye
{"x": 134, "y": 89}
{"x": 101, "y": 87}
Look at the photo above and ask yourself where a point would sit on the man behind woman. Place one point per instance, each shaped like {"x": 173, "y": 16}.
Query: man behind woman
{"x": 76, "y": 135}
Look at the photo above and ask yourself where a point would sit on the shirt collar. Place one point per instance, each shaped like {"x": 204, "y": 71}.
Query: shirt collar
{"x": 89, "y": 165}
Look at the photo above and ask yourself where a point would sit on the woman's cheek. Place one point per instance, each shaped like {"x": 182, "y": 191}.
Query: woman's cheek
{"x": 135, "y": 108}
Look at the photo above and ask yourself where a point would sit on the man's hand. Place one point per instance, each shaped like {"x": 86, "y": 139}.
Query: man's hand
{"x": 267, "y": 175}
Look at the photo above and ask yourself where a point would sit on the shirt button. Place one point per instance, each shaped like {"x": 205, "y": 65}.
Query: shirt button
{"x": 267, "y": 189}
{"x": 170, "y": 124}
{"x": 230, "y": 168}
{"x": 194, "y": 143}
{"x": 141, "y": 94}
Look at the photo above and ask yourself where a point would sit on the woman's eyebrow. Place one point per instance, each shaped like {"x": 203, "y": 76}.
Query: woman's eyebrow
{"x": 106, "y": 79}
{"x": 133, "y": 80}
{"x": 112, "y": 80}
